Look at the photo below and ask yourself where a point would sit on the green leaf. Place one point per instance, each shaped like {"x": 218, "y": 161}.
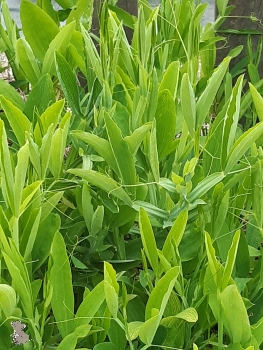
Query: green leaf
{"x": 222, "y": 213}
{"x": 104, "y": 182}
{"x": 27, "y": 61}
{"x": 20, "y": 284}
{"x": 205, "y": 101}
{"x": 231, "y": 258}
{"x": 90, "y": 305}
{"x": 82, "y": 14}
{"x": 258, "y": 101}
{"x": 68, "y": 83}
{"x": 242, "y": 145}
{"x": 127, "y": 19}
{"x": 148, "y": 240}
{"x": 47, "y": 6}
{"x": 38, "y": 32}
{"x": 35, "y": 105}
{"x": 97, "y": 220}
{"x": 188, "y": 315}
{"x": 235, "y": 316}
{"x": 152, "y": 153}
{"x": 45, "y": 150}
{"x": 188, "y": 104}
{"x": 156, "y": 304}
{"x": 135, "y": 139}
{"x": 221, "y": 6}
{"x": 59, "y": 43}
{"x": 34, "y": 155}
{"x": 105, "y": 346}
{"x": 122, "y": 154}
{"x": 87, "y": 206}
{"x": 78, "y": 264}
{"x": 257, "y": 331}
{"x": 65, "y": 4}
{"x": 175, "y": 233}
{"x": 205, "y": 185}
{"x": 161, "y": 292}
{"x": 7, "y": 300}
{"x": 116, "y": 334}
{"x": 30, "y": 233}
{"x": 20, "y": 176}
{"x": 134, "y": 329}
{"x": 111, "y": 288}
{"x": 247, "y": 98}
{"x": 9, "y": 23}
{"x": 5, "y": 232}
{"x": 18, "y": 121}
{"x": 212, "y": 262}
{"x": 242, "y": 264}
{"x": 7, "y": 181}
{"x": 50, "y": 116}
{"x": 11, "y": 94}
{"x": 150, "y": 209}
{"x": 45, "y": 236}
{"x": 231, "y": 120}
{"x": 170, "y": 79}
{"x": 49, "y": 204}
{"x": 58, "y": 146}
{"x": 149, "y": 328}
{"x": 100, "y": 145}
{"x": 28, "y": 194}
{"x": 92, "y": 55}
{"x": 165, "y": 123}
{"x": 61, "y": 281}
{"x": 70, "y": 341}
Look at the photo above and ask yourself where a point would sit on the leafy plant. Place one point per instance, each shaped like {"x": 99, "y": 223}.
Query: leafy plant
{"x": 122, "y": 225}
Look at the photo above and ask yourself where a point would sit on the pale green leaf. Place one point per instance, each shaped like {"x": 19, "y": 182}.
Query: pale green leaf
{"x": 122, "y": 154}
{"x": 231, "y": 258}
{"x": 27, "y": 61}
{"x": 258, "y": 101}
{"x": 7, "y": 299}
{"x": 20, "y": 175}
{"x": 59, "y": 43}
{"x": 10, "y": 93}
{"x": 205, "y": 185}
{"x": 205, "y": 101}
{"x": 68, "y": 83}
{"x": 170, "y": 78}
{"x": 104, "y": 182}
{"x": 61, "y": 281}
{"x": 242, "y": 145}
{"x": 148, "y": 240}
{"x": 39, "y": 29}
{"x": 18, "y": 121}
{"x": 188, "y": 104}
{"x": 100, "y": 145}
{"x": 165, "y": 123}
{"x": 90, "y": 305}
{"x": 235, "y": 315}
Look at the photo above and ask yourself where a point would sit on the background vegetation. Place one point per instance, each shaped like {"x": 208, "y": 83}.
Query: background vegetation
{"x": 131, "y": 209}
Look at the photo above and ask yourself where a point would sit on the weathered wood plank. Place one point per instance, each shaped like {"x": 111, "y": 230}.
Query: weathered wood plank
{"x": 244, "y": 9}
{"x": 130, "y": 6}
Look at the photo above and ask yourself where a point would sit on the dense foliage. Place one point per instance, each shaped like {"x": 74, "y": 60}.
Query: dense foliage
{"x": 131, "y": 208}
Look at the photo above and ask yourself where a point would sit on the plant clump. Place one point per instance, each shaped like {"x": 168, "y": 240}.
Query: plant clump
{"x": 130, "y": 203}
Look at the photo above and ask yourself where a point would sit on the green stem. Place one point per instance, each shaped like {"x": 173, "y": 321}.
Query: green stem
{"x": 220, "y": 328}
{"x": 15, "y": 233}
